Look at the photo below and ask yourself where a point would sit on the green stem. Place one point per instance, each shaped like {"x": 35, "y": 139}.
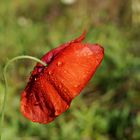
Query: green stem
{"x": 6, "y": 84}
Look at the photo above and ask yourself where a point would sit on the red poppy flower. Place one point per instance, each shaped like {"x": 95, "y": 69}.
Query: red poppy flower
{"x": 51, "y": 89}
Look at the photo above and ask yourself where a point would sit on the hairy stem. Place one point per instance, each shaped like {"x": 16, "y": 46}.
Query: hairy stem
{"x": 6, "y": 84}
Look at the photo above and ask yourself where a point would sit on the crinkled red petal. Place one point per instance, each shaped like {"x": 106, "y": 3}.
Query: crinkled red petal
{"x": 51, "y": 89}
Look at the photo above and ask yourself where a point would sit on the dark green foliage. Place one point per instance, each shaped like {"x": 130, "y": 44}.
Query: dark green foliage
{"x": 109, "y": 107}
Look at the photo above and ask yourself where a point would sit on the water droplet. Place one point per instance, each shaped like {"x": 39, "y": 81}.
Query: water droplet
{"x": 76, "y": 86}
{"x": 97, "y": 59}
{"x": 96, "y": 52}
{"x": 36, "y": 103}
{"x": 65, "y": 90}
{"x": 57, "y": 112}
{"x": 60, "y": 86}
{"x": 35, "y": 79}
{"x": 59, "y": 63}
{"x": 50, "y": 72}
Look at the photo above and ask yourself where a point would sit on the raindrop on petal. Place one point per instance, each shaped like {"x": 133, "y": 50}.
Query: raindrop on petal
{"x": 59, "y": 63}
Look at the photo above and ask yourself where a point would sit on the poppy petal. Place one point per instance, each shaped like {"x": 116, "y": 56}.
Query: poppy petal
{"x": 48, "y": 57}
{"x": 51, "y": 89}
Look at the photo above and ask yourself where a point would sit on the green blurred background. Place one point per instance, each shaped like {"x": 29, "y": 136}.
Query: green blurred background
{"x": 109, "y": 107}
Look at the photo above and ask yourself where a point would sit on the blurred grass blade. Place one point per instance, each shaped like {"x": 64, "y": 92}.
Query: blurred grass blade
{"x": 6, "y": 84}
